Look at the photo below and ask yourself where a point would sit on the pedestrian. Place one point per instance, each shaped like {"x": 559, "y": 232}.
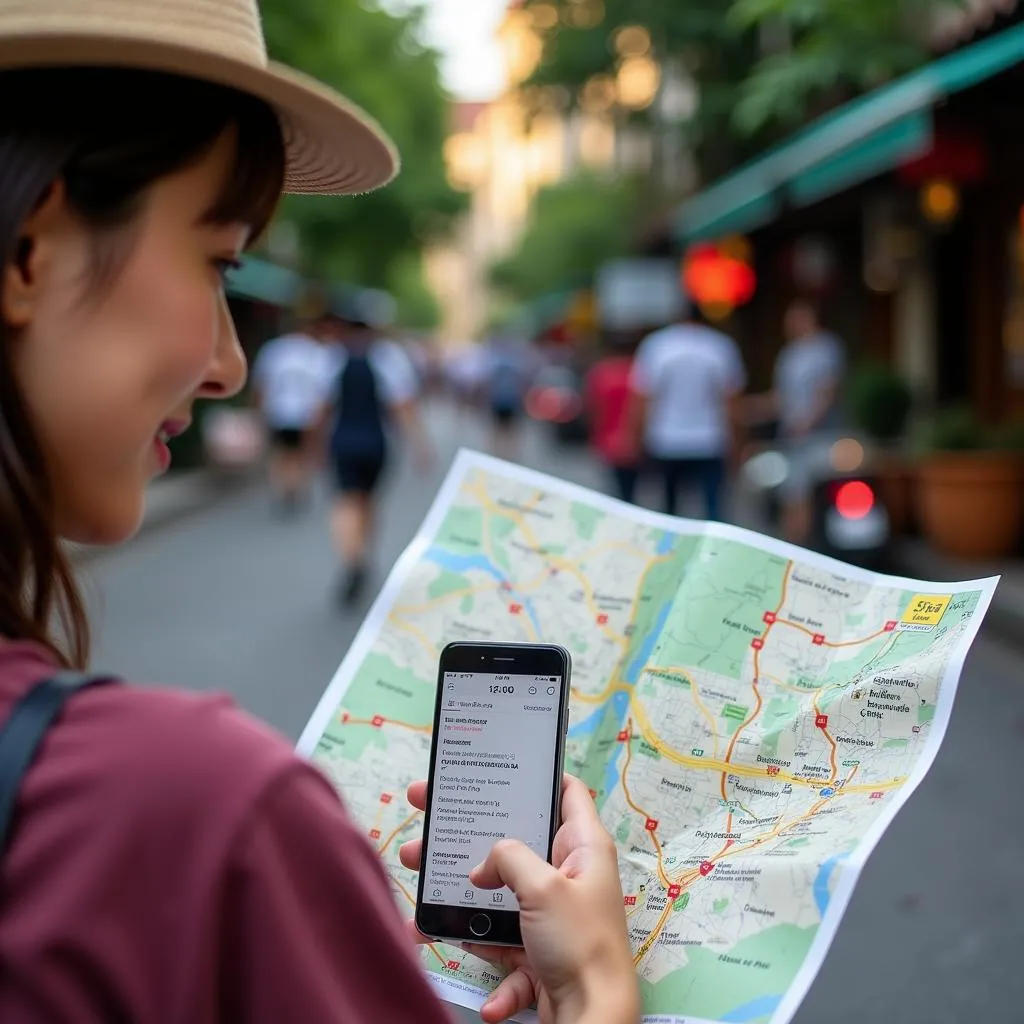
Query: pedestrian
{"x": 687, "y": 381}
{"x": 607, "y": 401}
{"x": 805, "y": 404}
{"x": 288, "y": 390}
{"x": 170, "y": 859}
{"x": 375, "y": 385}
{"x": 507, "y": 379}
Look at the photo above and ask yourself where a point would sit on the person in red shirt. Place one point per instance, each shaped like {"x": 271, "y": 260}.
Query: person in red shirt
{"x": 171, "y": 860}
{"x": 608, "y": 402}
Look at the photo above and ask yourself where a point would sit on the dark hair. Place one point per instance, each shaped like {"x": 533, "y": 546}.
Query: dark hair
{"x": 108, "y": 134}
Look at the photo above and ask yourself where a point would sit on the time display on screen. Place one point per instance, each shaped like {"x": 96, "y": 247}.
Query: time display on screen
{"x": 501, "y": 688}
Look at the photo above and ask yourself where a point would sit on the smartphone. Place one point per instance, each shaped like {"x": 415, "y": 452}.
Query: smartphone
{"x": 495, "y": 772}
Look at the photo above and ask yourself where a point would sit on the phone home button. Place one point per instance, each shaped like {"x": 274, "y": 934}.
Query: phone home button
{"x": 480, "y": 925}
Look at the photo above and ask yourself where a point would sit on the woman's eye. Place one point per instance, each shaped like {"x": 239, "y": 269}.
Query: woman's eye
{"x": 224, "y": 265}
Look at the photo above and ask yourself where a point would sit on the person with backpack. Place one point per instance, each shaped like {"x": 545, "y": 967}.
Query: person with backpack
{"x": 507, "y": 379}
{"x": 374, "y": 387}
{"x": 165, "y": 858}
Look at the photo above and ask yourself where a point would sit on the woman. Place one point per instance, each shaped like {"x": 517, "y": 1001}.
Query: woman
{"x": 171, "y": 860}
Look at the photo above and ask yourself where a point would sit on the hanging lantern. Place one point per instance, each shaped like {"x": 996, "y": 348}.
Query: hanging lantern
{"x": 940, "y": 201}
{"x": 716, "y": 281}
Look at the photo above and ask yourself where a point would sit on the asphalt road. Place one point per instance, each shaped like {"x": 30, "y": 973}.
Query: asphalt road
{"x": 234, "y": 599}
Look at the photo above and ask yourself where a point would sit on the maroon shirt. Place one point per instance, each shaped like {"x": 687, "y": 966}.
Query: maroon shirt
{"x": 173, "y": 861}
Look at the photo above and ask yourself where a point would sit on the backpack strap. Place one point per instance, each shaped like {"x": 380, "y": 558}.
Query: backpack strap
{"x": 23, "y": 732}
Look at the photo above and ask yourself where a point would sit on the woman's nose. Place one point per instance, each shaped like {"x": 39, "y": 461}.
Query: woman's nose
{"x": 227, "y": 373}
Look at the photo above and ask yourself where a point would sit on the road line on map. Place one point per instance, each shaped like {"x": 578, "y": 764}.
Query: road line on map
{"x": 389, "y": 721}
{"x": 398, "y": 831}
{"x": 828, "y": 643}
{"x": 754, "y": 684}
{"x": 562, "y": 564}
{"x": 639, "y": 810}
{"x": 831, "y": 742}
{"x": 705, "y": 764}
{"x": 416, "y": 633}
{"x": 681, "y": 673}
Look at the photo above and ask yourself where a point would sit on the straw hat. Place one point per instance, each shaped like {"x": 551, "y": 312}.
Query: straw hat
{"x": 333, "y": 147}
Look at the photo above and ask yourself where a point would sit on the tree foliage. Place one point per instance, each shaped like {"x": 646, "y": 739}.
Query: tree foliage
{"x": 827, "y": 51}
{"x": 574, "y": 227}
{"x": 377, "y": 59}
{"x": 694, "y": 35}
{"x": 760, "y": 67}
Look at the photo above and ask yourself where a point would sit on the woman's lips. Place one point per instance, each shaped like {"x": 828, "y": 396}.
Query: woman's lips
{"x": 168, "y": 429}
{"x": 162, "y": 453}
{"x": 172, "y": 428}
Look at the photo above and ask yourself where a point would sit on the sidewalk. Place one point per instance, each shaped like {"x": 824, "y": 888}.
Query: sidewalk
{"x": 914, "y": 557}
{"x": 171, "y": 498}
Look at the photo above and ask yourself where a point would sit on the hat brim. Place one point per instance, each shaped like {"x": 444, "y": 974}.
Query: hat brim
{"x": 332, "y": 146}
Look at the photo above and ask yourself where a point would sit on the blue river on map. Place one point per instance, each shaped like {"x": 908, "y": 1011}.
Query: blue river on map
{"x": 646, "y": 649}
{"x": 666, "y": 543}
{"x": 824, "y": 877}
{"x": 463, "y": 563}
{"x": 763, "y": 1006}
{"x": 620, "y": 701}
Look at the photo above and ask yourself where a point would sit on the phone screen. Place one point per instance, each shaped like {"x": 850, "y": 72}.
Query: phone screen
{"x": 496, "y": 748}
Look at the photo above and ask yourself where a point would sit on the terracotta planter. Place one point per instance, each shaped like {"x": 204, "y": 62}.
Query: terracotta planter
{"x": 971, "y": 504}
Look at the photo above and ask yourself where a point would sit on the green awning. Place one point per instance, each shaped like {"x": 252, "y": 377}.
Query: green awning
{"x": 858, "y": 141}
{"x": 264, "y": 282}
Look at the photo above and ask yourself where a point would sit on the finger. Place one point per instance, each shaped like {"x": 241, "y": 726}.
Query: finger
{"x": 416, "y": 935}
{"x": 508, "y": 958}
{"x": 578, "y": 806}
{"x": 513, "y": 864}
{"x": 417, "y": 794}
{"x": 410, "y": 854}
{"x": 515, "y": 994}
{"x": 581, "y": 830}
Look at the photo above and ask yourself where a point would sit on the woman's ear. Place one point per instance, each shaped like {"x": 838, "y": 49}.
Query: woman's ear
{"x": 31, "y": 266}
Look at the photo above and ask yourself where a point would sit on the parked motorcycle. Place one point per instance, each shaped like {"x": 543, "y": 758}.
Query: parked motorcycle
{"x": 848, "y": 521}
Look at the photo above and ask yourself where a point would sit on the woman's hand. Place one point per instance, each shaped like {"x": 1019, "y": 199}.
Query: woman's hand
{"x": 577, "y": 964}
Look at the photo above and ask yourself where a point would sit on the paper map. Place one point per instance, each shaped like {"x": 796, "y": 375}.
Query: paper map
{"x": 749, "y": 717}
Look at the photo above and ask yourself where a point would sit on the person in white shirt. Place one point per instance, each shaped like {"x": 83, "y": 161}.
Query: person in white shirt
{"x": 805, "y": 403}
{"x": 373, "y": 384}
{"x": 685, "y": 383}
{"x": 289, "y": 379}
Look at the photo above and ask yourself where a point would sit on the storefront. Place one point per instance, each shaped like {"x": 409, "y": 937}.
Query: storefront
{"x": 902, "y": 213}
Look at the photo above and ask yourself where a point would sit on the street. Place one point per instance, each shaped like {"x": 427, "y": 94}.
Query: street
{"x": 232, "y": 598}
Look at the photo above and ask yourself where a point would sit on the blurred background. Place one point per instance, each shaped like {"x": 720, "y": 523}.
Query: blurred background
{"x": 575, "y": 173}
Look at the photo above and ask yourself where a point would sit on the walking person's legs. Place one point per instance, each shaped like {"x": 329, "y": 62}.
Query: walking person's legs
{"x": 671, "y": 471}
{"x": 287, "y": 471}
{"x": 625, "y": 479}
{"x": 353, "y": 517}
{"x": 710, "y": 477}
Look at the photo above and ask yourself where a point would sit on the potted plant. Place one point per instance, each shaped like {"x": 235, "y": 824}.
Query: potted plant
{"x": 971, "y": 487}
{"x": 880, "y": 403}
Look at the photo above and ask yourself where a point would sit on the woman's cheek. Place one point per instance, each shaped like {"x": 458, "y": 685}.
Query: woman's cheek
{"x": 194, "y": 345}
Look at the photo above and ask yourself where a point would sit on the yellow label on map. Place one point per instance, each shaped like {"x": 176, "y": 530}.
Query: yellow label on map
{"x": 926, "y": 609}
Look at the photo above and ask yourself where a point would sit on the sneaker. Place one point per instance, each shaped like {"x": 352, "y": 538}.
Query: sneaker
{"x": 351, "y": 586}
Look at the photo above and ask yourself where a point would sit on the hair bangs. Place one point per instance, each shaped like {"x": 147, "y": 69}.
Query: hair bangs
{"x": 251, "y": 191}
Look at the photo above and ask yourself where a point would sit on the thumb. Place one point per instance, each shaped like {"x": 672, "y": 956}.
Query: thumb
{"x": 514, "y": 864}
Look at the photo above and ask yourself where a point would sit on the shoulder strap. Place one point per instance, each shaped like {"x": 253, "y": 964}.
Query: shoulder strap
{"x": 22, "y": 733}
